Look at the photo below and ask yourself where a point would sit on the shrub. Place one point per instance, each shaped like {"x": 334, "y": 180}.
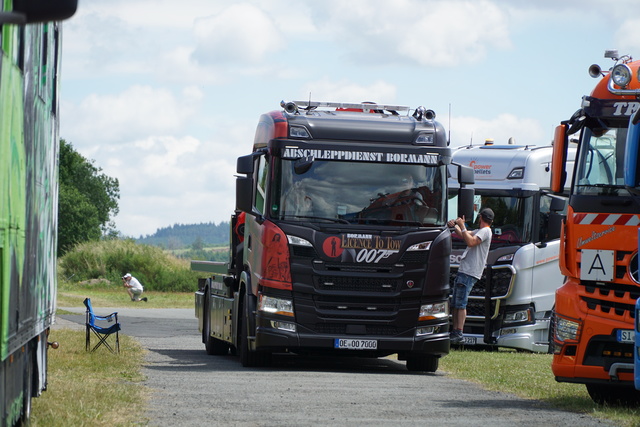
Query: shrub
{"x": 109, "y": 260}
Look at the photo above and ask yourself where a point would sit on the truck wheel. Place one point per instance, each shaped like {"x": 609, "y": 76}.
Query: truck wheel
{"x": 27, "y": 388}
{"x": 614, "y": 395}
{"x": 422, "y": 362}
{"x": 250, "y": 358}
{"x": 551, "y": 334}
{"x": 214, "y": 346}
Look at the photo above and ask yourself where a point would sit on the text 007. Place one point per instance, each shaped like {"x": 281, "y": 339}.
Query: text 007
{"x": 355, "y": 344}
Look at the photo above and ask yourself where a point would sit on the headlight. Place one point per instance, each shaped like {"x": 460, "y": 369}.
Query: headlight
{"x": 424, "y": 246}
{"x": 505, "y": 258}
{"x": 566, "y": 330}
{"x": 520, "y": 316}
{"x": 299, "y": 241}
{"x": 621, "y": 75}
{"x": 434, "y": 311}
{"x": 275, "y": 305}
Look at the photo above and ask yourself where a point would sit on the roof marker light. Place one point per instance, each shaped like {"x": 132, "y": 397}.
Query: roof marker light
{"x": 516, "y": 173}
{"x": 424, "y": 138}
{"x": 299, "y": 132}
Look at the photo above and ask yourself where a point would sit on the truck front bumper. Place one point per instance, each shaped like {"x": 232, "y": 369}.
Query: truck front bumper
{"x": 272, "y": 339}
{"x": 534, "y": 338}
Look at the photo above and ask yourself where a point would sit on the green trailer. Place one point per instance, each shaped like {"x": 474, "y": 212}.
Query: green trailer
{"x": 30, "y": 41}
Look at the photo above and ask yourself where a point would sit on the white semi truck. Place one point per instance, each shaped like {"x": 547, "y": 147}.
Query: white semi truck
{"x": 522, "y": 270}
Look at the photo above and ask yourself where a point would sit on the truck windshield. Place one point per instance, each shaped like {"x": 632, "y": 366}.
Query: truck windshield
{"x": 514, "y": 216}
{"x": 600, "y": 170}
{"x": 359, "y": 193}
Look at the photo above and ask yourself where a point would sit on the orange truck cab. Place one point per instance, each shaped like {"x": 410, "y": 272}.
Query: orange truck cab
{"x": 594, "y": 316}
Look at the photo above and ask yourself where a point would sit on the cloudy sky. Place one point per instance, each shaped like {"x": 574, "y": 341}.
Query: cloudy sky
{"x": 164, "y": 95}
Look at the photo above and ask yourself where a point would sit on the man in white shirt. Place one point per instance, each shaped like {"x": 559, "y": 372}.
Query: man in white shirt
{"x": 133, "y": 287}
{"x": 471, "y": 267}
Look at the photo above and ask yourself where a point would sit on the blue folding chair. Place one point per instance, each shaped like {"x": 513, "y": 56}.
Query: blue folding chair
{"x": 100, "y": 332}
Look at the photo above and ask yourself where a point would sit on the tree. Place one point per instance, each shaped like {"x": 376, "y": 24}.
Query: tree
{"x": 87, "y": 200}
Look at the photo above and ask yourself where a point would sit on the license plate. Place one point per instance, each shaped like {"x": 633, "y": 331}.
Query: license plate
{"x": 626, "y": 336}
{"x": 469, "y": 340}
{"x": 355, "y": 344}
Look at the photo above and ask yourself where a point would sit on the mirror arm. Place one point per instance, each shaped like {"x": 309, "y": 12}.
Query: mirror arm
{"x": 13, "y": 18}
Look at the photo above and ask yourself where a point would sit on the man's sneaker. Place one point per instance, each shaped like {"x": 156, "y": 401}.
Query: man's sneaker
{"x": 143, "y": 299}
{"x": 456, "y": 337}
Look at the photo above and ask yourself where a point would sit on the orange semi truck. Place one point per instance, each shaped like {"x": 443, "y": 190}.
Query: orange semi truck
{"x": 593, "y": 323}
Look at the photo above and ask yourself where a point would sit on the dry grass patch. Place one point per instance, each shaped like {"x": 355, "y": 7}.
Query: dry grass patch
{"x": 96, "y": 389}
{"x": 529, "y": 376}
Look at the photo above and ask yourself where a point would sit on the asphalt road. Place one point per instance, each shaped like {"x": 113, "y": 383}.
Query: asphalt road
{"x": 189, "y": 388}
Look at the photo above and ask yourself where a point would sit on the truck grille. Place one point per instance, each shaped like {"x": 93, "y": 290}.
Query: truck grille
{"x": 355, "y": 284}
{"x": 475, "y": 308}
{"x": 420, "y": 257}
{"x": 613, "y": 300}
{"x": 500, "y": 287}
{"x": 604, "y": 351}
{"x": 341, "y": 329}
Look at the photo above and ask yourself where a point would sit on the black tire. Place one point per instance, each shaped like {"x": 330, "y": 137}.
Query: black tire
{"x": 216, "y": 347}
{"x": 28, "y": 388}
{"x": 551, "y": 334}
{"x": 213, "y": 346}
{"x": 422, "y": 363}
{"x": 249, "y": 358}
{"x": 614, "y": 395}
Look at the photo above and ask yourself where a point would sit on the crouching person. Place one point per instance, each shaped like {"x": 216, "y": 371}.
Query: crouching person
{"x": 133, "y": 287}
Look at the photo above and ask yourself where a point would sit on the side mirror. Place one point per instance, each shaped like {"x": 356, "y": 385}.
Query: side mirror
{"x": 244, "y": 194}
{"x": 465, "y": 202}
{"x": 244, "y": 164}
{"x": 631, "y": 151}
{"x": 465, "y": 175}
{"x": 303, "y": 165}
{"x": 559, "y": 159}
{"x": 556, "y": 216}
{"x": 30, "y": 11}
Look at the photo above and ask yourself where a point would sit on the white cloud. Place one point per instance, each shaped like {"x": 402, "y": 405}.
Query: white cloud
{"x": 346, "y": 91}
{"x": 136, "y": 112}
{"x": 242, "y": 33}
{"x": 626, "y": 37}
{"x": 426, "y": 32}
{"x": 165, "y": 96}
{"x": 525, "y": 131}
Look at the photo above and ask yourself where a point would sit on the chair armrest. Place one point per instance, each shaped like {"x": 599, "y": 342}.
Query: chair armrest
{"x": 108, "y": 318}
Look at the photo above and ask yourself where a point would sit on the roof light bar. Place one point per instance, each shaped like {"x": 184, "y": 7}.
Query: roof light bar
{"x": 310, "y": 105}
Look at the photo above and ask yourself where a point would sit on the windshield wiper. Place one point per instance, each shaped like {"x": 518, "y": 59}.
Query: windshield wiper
{"x": 389, "y": 221}
{"x": 601, "y": 185}
{"x": 321, "y": 218}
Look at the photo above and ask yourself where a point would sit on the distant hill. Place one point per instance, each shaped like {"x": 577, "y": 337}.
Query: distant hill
{"x": 180, "y": 236}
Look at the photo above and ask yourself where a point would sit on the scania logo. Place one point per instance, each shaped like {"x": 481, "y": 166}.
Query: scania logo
{"x": 410, "y": 284}
{"x": 633, "y": 268}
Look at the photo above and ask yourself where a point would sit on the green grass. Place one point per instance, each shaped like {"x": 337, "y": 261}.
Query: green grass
{"x": 96, "y": 270}
{"x": 109, "y": 297}
{"x": 91, "y": 389}
{"x": 529, "y": 376}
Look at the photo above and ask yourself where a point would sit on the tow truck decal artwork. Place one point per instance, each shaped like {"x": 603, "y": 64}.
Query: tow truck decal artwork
{"x": 361, "y": 156}
{"x": 365, "y": 248}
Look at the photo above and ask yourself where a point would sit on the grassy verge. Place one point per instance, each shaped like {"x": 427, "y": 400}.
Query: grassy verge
{"x": 529, "y": 376}
{"x": 96, "y": 389}
{"x": 73, "y": 297}
{"x": 524, "y": 374}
